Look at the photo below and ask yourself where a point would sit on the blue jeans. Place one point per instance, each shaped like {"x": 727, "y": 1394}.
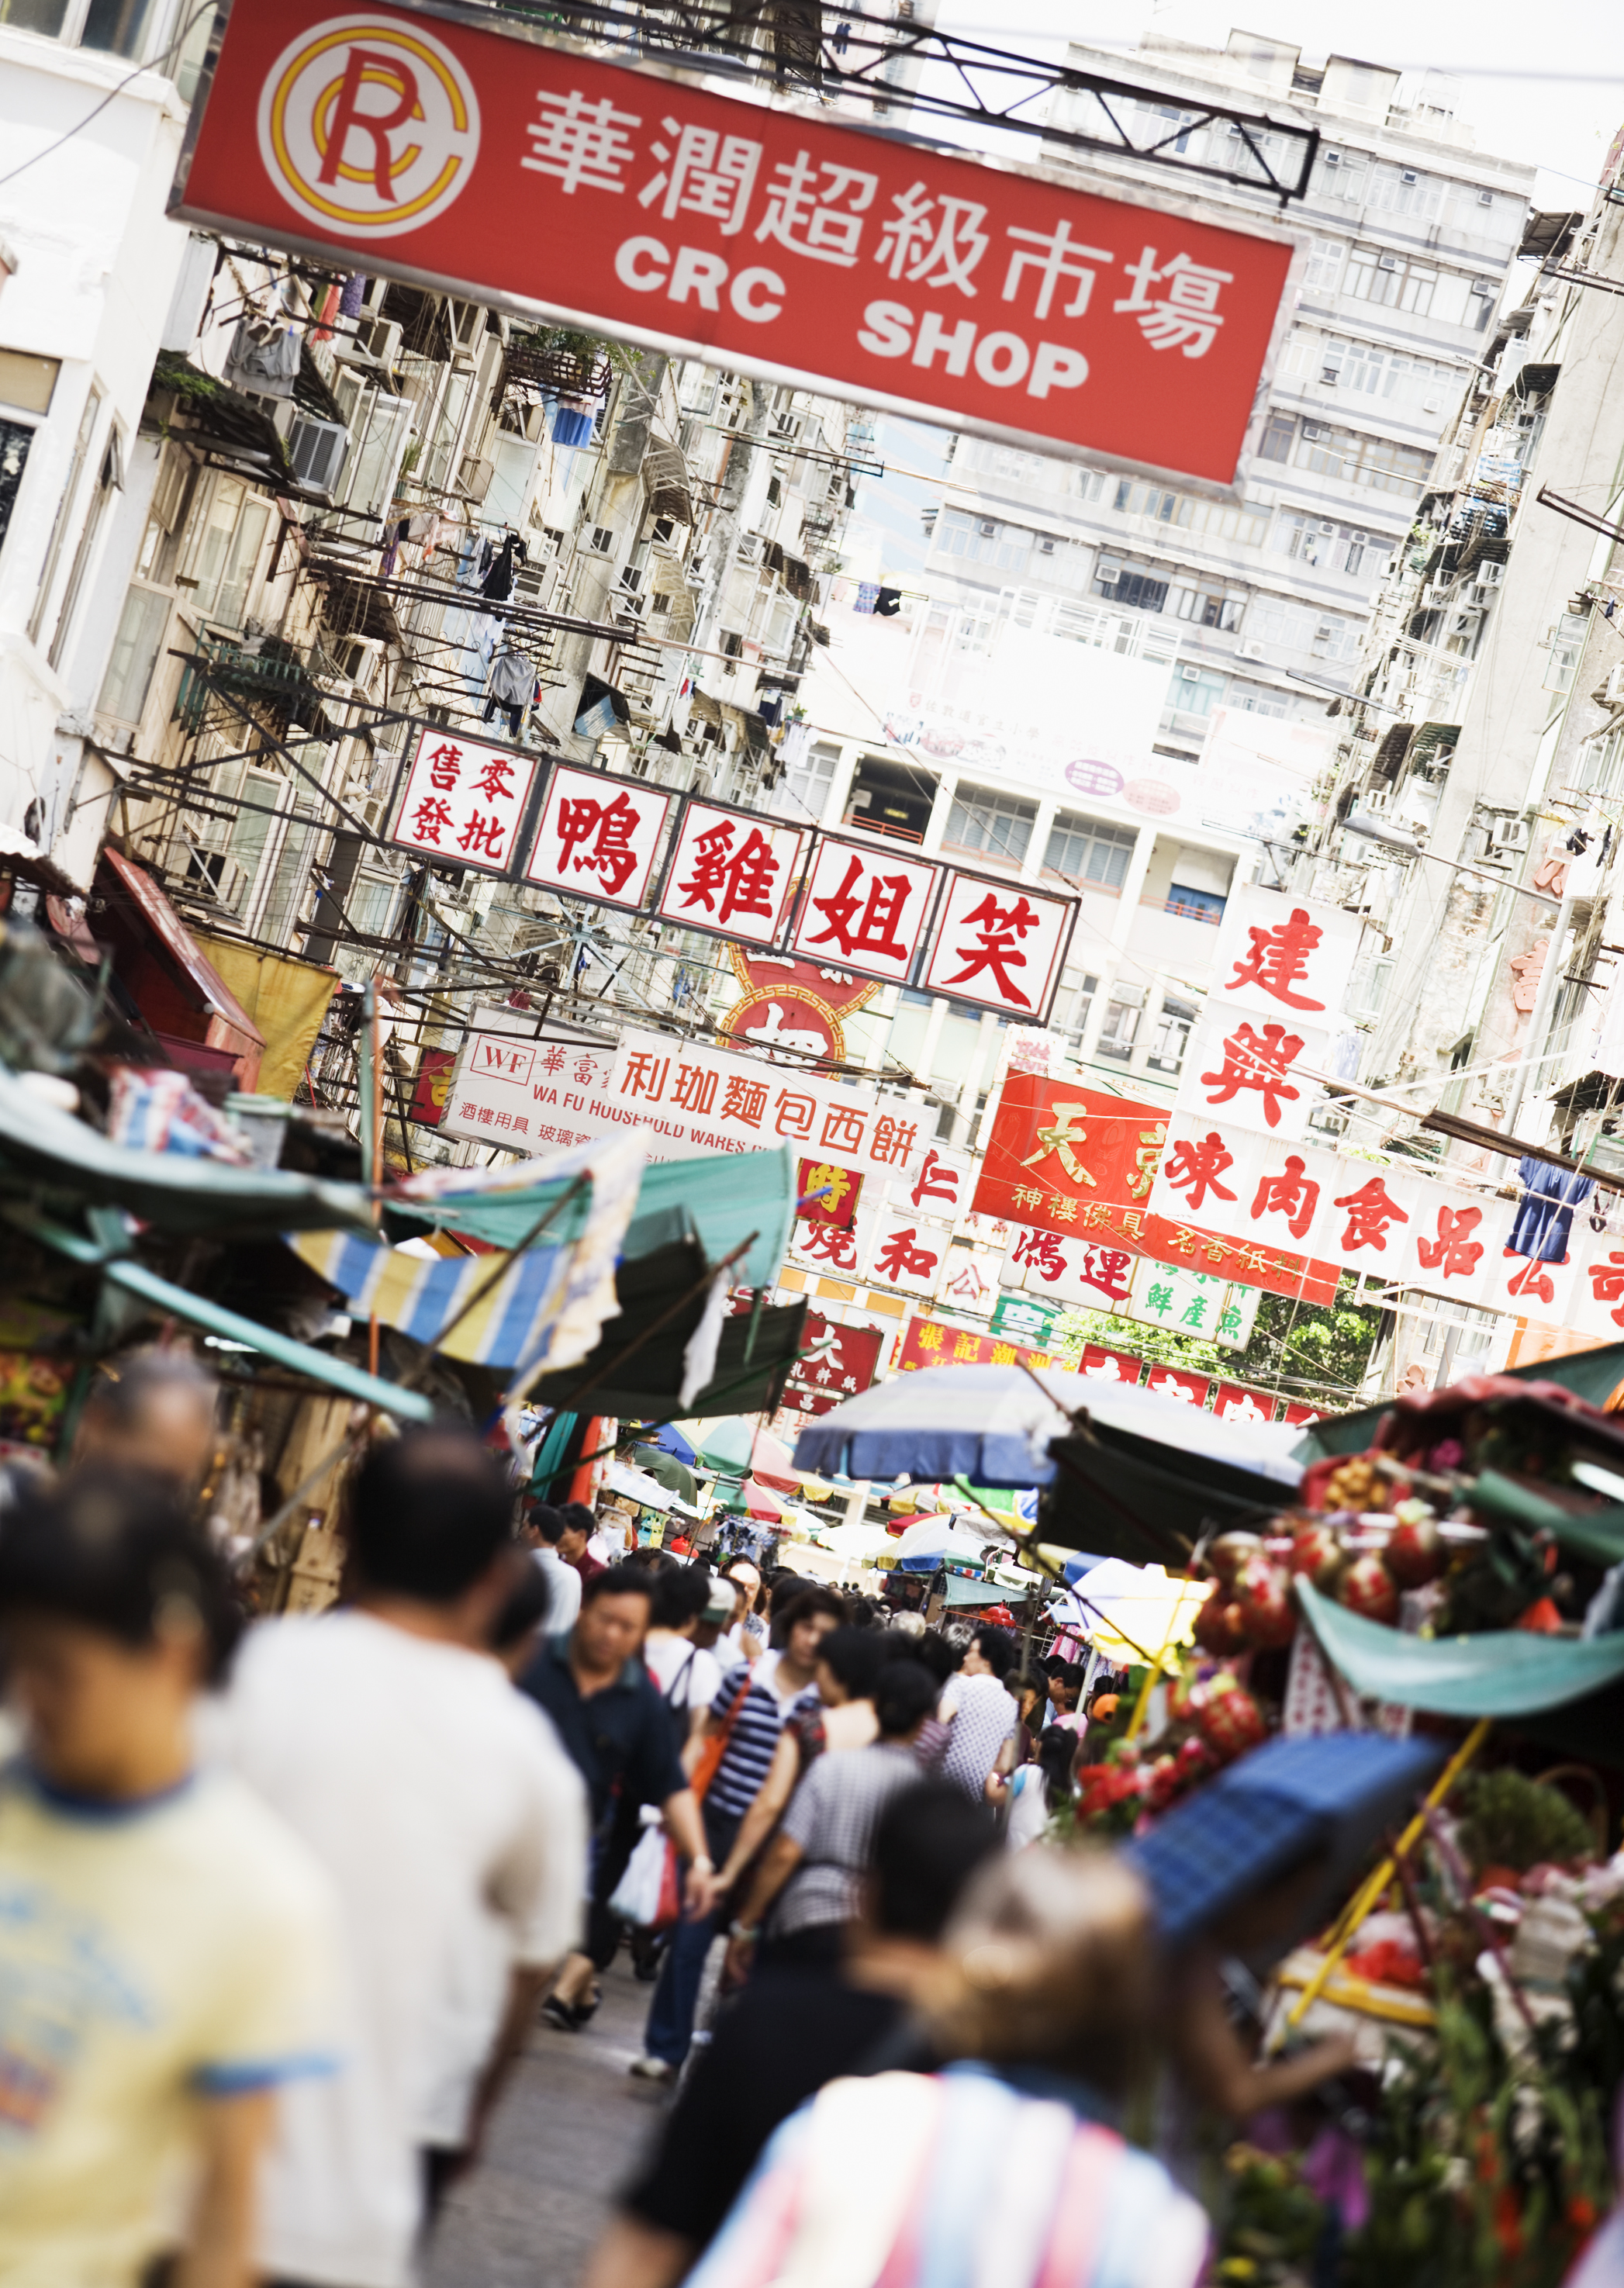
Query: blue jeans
{"x": 670, "y": 2014}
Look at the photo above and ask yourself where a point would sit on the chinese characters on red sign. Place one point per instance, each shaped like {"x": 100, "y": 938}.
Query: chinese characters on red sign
{"x": 758, "y": 238}
{"x": 460, "y": 802}
{"x": 835, "y": 1363}
{"x": 599, "y": 836}
{"x": 927, "y": 1342}
{"x": 999, "y": 947}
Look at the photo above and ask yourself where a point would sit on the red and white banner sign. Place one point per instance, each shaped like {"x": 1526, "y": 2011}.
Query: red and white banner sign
{"x": 771, "y": 240}
{"x": 732, "y": 874}
{"x": 462, "y": 802}
{"x": 1000, "y": 946}
{"x": 599, "y": 836}
{"x": 1289, "y": 958}
{"x": 866, "y": 909}
{"x": 835, "y": 1362}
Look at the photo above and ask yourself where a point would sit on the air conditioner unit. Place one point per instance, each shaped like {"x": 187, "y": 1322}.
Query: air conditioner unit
{"x": 1507, "y": 836}
{"x": 1332, "y": 158}
{"x": 377, "y": 341}
{"x": 1408, "y": 175}
{"x": 1489, "y": 576}
{"x": 1387, "y": 262}
{"x": 602, "y": 540}
{"x": 1190, "y": 674}
{"x": 358, "y": 659}
{"x": 1486, "y": 198}
{"x": 316, "y": 450}
{"x": 749, "y": 548}
{"x": 1613, "y": 689}
{"x": 474, "y": 476}
{"x": 1250, "y": 651}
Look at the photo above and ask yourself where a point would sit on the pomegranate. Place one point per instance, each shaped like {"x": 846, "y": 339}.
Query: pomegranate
{"x": 1368, "y": 1587}
{"x": 1220, "y": 1626}
{"x": 1316, "y": 1550}
{"x": 1264, "y": 1593}
{"x": 1230, "y": 1552}
{"x": 1415, "y": 1553}
{"x": 1163, "y": 1784}
{"x": 1230, "y": 1720}
{"x": 1194, "y": 1759}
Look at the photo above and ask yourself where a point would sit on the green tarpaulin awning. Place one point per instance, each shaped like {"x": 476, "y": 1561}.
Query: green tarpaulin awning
{"x": 61, "y": 1163}
{"x": 718, "y": 1201}
{"x": 1500, "y": 1672}
{"x": 663, "y": 1298}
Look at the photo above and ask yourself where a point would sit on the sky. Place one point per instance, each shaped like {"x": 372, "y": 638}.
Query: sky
{"x": 1555, "y": 102}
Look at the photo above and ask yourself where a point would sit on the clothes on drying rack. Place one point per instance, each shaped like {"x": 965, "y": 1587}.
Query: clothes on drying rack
{"x": 264, "y": 357}
{"x": 1544, "y": 1220}
{"x": 513, "y": 685}
{"x": 353, "y": 294}
{"x": 497, "y": 584}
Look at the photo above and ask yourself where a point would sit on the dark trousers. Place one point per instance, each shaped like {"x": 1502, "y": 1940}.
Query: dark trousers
{"x": 670, "y": 2014}
{"x": 616, "y": 1841}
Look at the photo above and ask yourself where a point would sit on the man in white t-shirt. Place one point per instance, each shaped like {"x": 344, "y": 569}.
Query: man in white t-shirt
{"x": 543, "y": 1531}
{"x": 979, "y": 1708}
{"x": 455, "y": 1828}
{"x": 689, "y": 1677}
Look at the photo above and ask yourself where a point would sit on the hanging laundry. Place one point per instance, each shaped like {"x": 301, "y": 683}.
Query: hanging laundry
{"x": 264, "y": 358}
{"x": 393, "y": 534}
{"x": 323, "y": 328}
{"x": 1543, "y": 1220}
{"x": 571, "y": 424}
{"x": 512, "y": 687}
{"x": 497, "y": 584}
{"x": 353, "y": 294}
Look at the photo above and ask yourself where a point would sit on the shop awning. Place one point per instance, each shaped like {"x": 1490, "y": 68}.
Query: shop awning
{"x": 1590, "y": 1375}
{"x": 1497, "y": 1672}
{"x": 718, "y": 1202}
{"x": 176, "y": 987}
{"x": 49, "y": 1155}
{"x": 663, "y": 1298}
{"x": 287, "y": 1000}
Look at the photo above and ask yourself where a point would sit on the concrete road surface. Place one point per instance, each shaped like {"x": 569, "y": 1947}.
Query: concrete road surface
{"x": 569, "y": 2127}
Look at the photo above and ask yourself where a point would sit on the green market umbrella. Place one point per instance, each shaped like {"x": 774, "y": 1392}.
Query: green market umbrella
{"x": 667, "y": 1470}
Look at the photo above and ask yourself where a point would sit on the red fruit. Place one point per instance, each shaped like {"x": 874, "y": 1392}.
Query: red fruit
{"x": 1368, "y": 1587}
{"x": 1232, "y": 1721}
{"x": 1220, "y": 1626}
{"x": 1415, "y": 1553}
{"x": 1163, "y": 1784}
{"x": 1264, "y": 1593}
{"x": 1194, "y": 1759}
{"x": 1231, "y": 1551}
{"x": 1316, "y": 1550}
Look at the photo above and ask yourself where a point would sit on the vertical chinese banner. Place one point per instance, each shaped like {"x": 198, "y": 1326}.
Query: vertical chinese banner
{"x": 599, "y": 836}
{"x": 462, "y": 802}
{"x": 835, "y": 1363}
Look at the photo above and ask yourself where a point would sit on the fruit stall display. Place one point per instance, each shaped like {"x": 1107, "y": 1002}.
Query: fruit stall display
{"x": 1477, "y": 1975}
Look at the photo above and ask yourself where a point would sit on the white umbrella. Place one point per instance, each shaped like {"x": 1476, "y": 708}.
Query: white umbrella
{"x": 1131, "y": 1610}
{"x": 621, "y": 1478}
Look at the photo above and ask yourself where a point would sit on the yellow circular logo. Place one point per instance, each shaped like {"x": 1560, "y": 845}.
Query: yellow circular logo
{"x": 368, "y": 123}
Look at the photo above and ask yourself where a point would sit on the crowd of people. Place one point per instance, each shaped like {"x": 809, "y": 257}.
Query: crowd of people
{"x": 282, "y": 1903}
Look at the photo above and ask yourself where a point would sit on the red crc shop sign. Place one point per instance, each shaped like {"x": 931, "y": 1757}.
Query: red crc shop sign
{"x": 757, "y": 235}
{"x": 736, "y": 874}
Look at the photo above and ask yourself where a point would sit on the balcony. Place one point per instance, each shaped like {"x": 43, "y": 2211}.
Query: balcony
{"x": 262, "y": 669}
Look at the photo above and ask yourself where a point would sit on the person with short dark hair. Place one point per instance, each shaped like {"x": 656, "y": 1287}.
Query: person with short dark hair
{"x": 519, "y": 1622}
{"x": 152, "y": 1410}
{"x": 168, "y": 1947}
{"x": 793, "y": 2030}
{"x": 580, "y": 1524}
{"x": 978, "y": 1707}
{"x": 618, "y": 1732}
{"x": 455, "y": 1829}
{"x": 746, "y": 1718}
{"x": 810, "y": 1877}
{"x": 543, "y": 1531}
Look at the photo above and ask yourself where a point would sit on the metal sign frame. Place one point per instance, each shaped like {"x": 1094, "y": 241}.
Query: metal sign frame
{"x": 376, "y": 257}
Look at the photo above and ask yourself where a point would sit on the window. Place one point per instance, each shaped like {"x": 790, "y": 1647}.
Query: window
{"x": 1211, "y": 608}
{"x": 1139, "y": 592}
{"x": 1280, "y": 435}
{"x": 1333, "y": 547}
{"x": 1566, "y": 640}
{"x": 1171, "y": 1036}
{"x": 1340, "y": 175}
{"x": 1121, "y": 1028}
{"x": 1325, "y": 264}
{"x": 1087, "y": 850}
{"x": 134, "y": 654}
{"x": 981, "y": 540}
{"x": 1378, "y": 463}
{"x": 1066, "y": 562}
{"x": 995, "y": 824}
{"x": 1194, "y": 691}
{"x": 87, "y": 420}
{"x": 804, "y": 793}
{"x": 15, "y": 439}
{"x": 1077, "y": 1015}
{"x": 116, "y": 27}
{"x": 226, "y": 551}
{"x": 1402, "y": 190}
{"x": 1195, "y": 905}
{"x": 109, "y": 480}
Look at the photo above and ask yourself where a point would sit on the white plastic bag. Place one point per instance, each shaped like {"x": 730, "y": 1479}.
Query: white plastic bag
{"x": 638, "y": 1894}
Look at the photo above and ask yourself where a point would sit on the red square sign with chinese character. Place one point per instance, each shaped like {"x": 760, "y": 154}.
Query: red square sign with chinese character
{"x": 927, "y": 1342}
{"x": 460, "y": 801}
{"x": 866, "y": 909}
{"x": 599, "y": 836}
{"x": 827, "y": 1193}
{"x": 1000, "y": 946}
{"x": 732, "y": 874}
{"x": 835, "y": 1362}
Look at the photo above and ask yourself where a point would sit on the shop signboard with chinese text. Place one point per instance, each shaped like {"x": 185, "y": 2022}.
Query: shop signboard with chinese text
{"x": 835, "y": 1363}
{"x": 939, "y": 1186}
{"x": 1191, "y": 1302}
{"x": 731, "y": 874}
{"x": 905, "y": 1251}
{"x": 794, "y": 1005}
{"x": 460, "y": 802}
{"x": 765, "y": 237}
{"x": 1076, "y": 1169}
{"x": 527, "y": 1090}
{"x": 867, "y": 909}
{"x": 694, "y": 1099}
{"x": 1020, "y": 1318}
{"x": 999, "y": 947}
{"x": 599, "y": 836}
{"x": 929, "y": 1342}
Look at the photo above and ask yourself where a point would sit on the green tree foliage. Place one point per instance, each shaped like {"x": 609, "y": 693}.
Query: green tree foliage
{"x": 1306, "y": 1350}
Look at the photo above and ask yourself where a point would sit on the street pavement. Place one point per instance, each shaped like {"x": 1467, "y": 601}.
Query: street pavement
{"x": 571, "y": 2123}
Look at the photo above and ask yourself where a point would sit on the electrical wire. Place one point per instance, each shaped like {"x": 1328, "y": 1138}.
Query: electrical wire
{"x": 158, "y": 63}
